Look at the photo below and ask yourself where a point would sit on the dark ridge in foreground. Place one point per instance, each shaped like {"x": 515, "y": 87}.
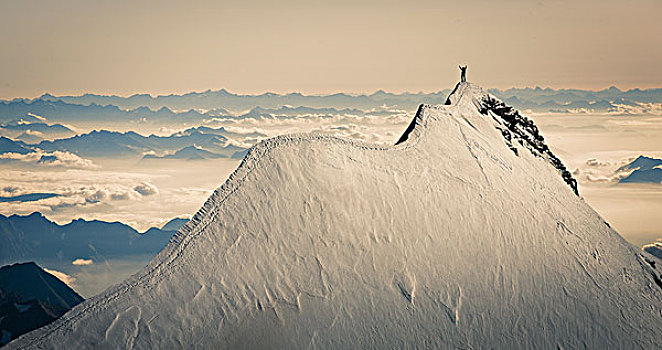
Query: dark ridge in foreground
{"x": 31, "y": 298}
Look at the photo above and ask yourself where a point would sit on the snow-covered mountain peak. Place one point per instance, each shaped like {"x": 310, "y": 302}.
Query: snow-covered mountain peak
{"x": 463, "y": 235}
{"x": 469, "y": 104}
{"x": 466, "y": 93}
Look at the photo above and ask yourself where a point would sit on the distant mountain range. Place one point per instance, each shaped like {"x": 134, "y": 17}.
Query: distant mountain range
{"x": 220, "y": 132}
{"x": 293, "y": 112}
{"x": 144, "y": 107}
{"x": 31, "y": 298}
{"x": 174, "y": 225}
{"x": 569, "y": 95}
{"x": 198, "y": 153}
{"x": 8, "y": 145}
{"x": 103, "y": 143}
{"x": 34, "y": 132}
{"x": 25, "y": 120}
{"x": 646, "y": 170}
{"x": 61, "y": 111}
{"x": 212, "y": 100}
{"x": 111, "y": 117}
{"x": 35, "y": 238}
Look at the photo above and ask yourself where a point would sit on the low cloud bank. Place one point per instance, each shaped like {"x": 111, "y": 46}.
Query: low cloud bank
{"x": 600, "y": 171}
{"x": 50, "y": 159}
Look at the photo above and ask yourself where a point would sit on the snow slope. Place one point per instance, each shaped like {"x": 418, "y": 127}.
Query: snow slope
{"x": 454, "y": 238}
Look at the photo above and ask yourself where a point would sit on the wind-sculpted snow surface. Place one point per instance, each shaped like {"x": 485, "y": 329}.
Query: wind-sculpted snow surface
{"x": 449, "y": 239}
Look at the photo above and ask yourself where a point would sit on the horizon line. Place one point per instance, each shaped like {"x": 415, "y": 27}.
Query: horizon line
{"x": 313, "y": 94}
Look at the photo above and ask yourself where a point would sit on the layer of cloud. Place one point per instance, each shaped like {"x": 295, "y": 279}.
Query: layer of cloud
{"x": 11, "y": 190}
{"x": 73, "y": 189}
{"x": 637, "y": 109}
{"x": 50, "y": 159}
{"x": 595, "y": 163}
{"x": 595, "y": 170}
{"x": 90, "y": 195}
{"x": 82, "y": 262}
{"x": 146, "y": 189}
{"x": 381, "y": 116}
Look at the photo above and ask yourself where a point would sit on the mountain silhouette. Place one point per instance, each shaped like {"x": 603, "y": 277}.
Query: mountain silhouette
{"x": 31, "y": 298}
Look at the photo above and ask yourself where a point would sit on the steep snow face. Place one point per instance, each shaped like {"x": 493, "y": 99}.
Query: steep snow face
{"x": 448, "y": 239}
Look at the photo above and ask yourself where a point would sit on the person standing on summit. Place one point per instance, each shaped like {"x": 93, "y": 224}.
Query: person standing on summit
{"x": 463, "y": 74}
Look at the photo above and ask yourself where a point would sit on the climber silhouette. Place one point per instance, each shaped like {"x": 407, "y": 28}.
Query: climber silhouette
{"x": 463, "y": 74}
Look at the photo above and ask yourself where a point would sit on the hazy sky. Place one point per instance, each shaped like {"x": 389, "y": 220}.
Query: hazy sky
{"x": 125, "y": 47}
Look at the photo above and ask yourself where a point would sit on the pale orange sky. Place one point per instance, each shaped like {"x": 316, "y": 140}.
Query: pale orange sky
{"x": 159, "y": 47}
